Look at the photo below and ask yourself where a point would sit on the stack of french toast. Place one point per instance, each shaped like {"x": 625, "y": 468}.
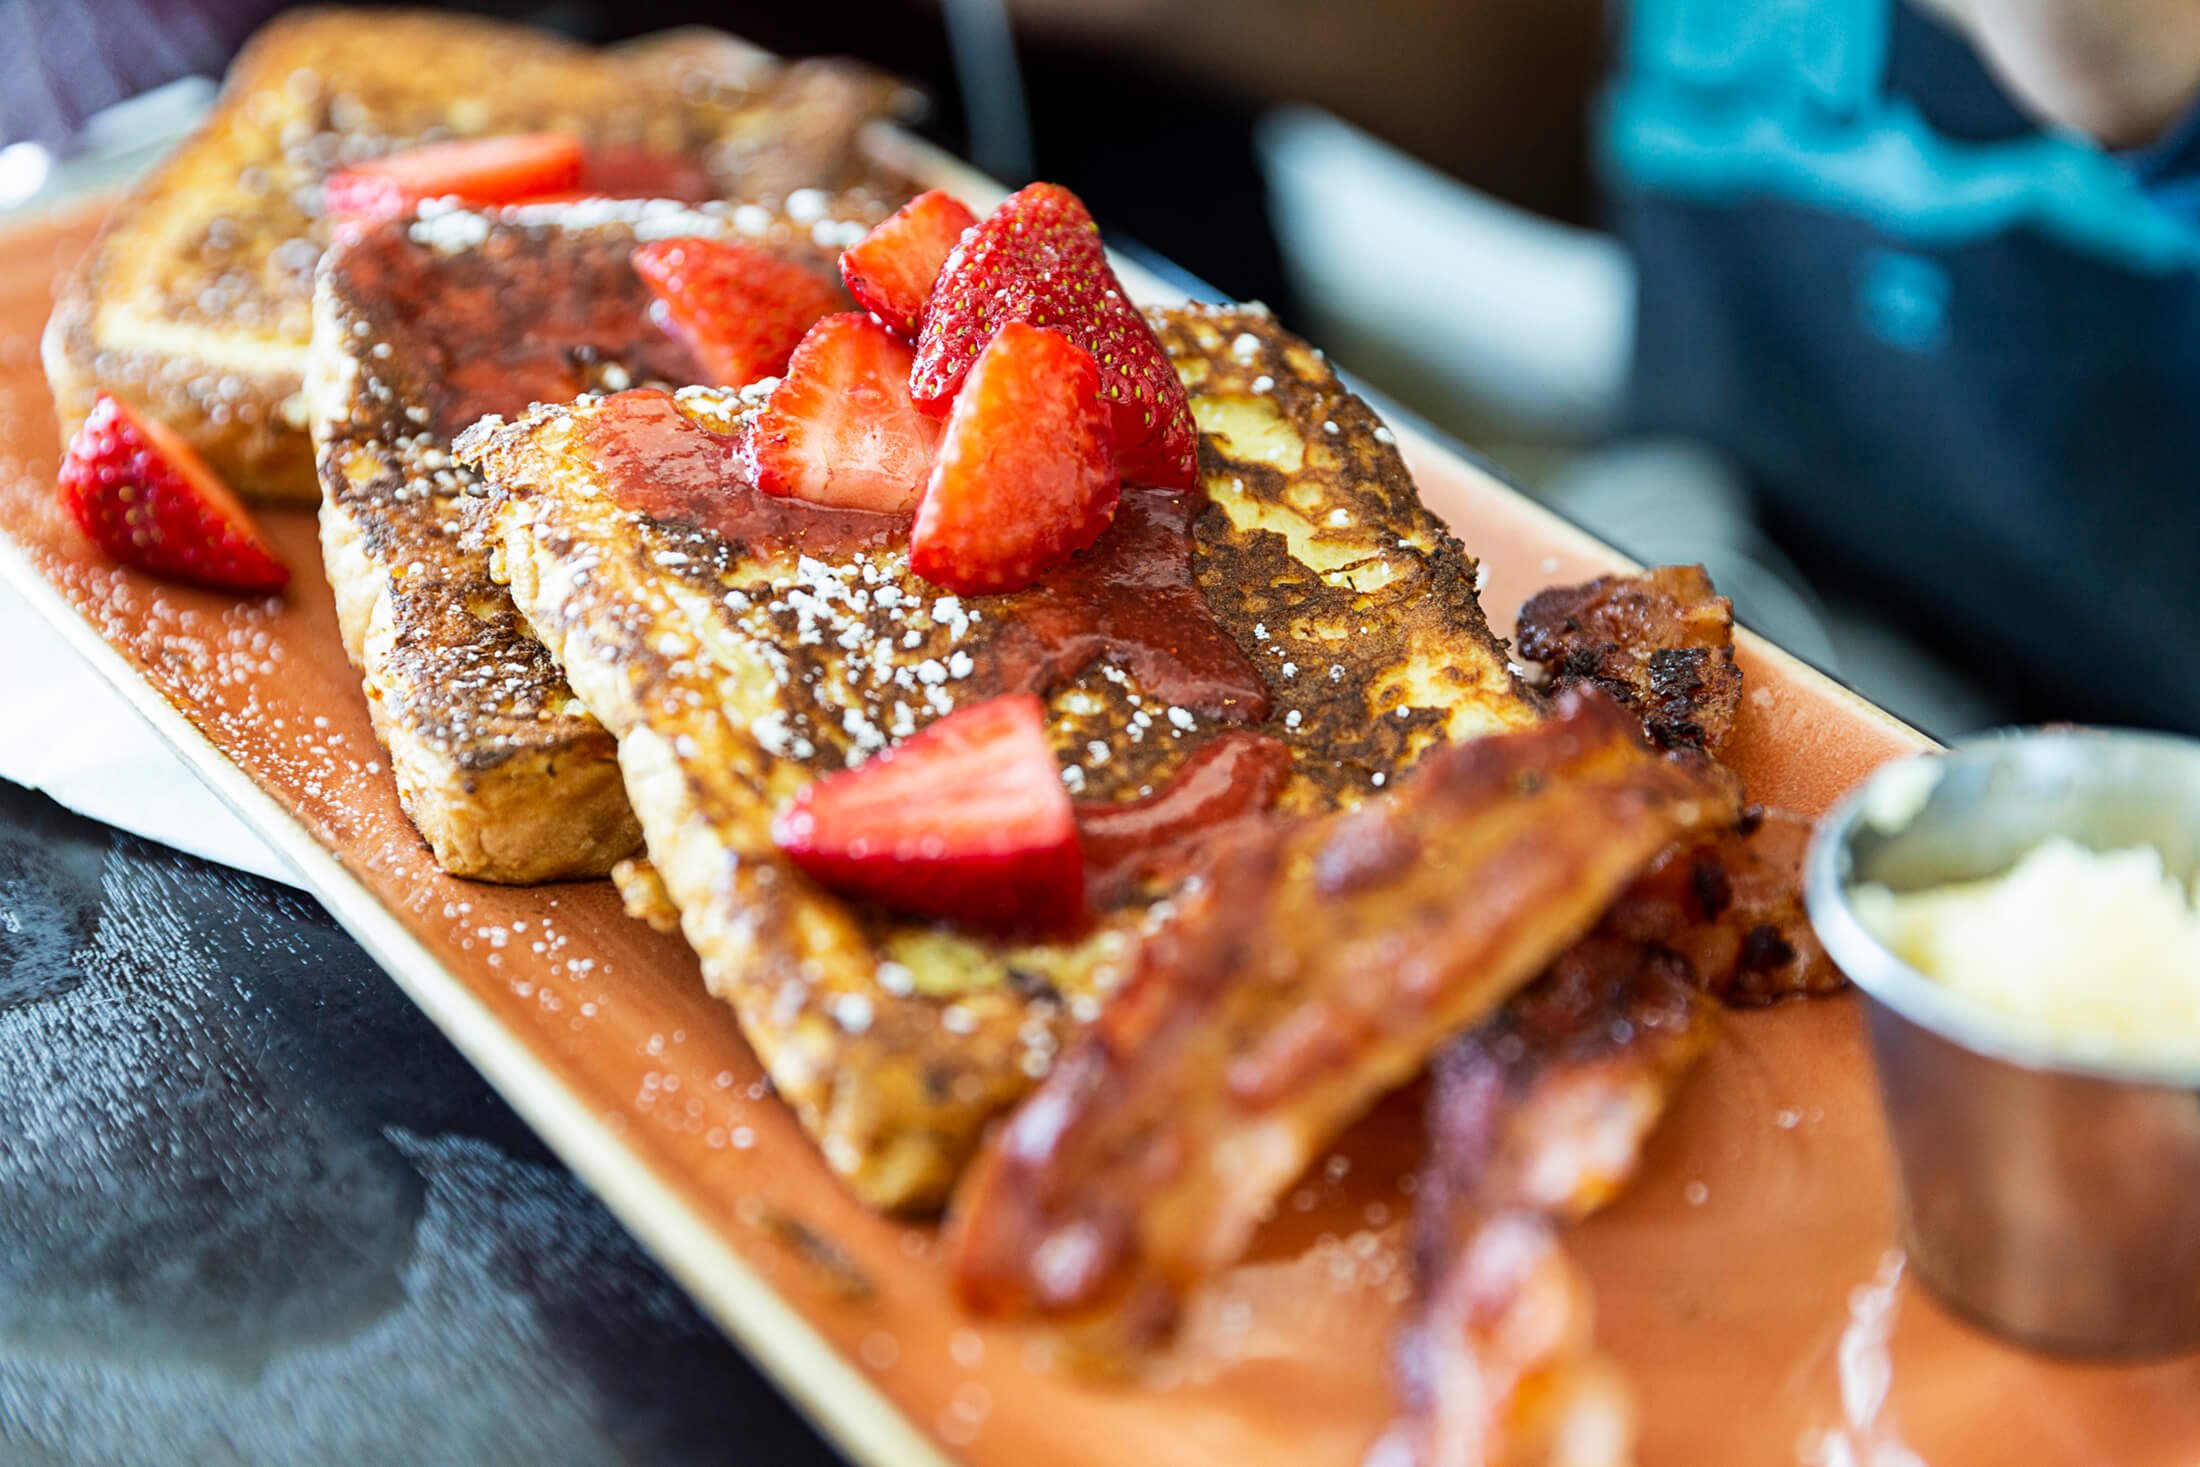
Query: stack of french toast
{"x": 1071, "y": 747}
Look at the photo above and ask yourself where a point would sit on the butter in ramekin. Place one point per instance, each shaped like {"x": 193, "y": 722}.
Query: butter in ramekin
{"x": 2093, "y": 953}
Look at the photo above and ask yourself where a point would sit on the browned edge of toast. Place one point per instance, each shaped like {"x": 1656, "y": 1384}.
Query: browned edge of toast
{"x": 236, "y": 392}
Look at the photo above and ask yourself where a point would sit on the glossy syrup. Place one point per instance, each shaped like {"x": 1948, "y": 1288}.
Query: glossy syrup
{"x": 1132, "y": 601}
{"x": 1131, "y": 844}
{"x": 529, "y": 316}
{"x": 658, "y": 461}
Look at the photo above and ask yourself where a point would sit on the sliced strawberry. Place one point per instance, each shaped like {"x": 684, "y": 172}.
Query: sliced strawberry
{"x": 967, "y": 821}
{"x": 839, "y": 429}
{"x": 890, "y": 270}
{"x": 633, "y": 173}
{"x": 148, "y": 499}
{"x": 741, "y": 309}
{"x": 1024, "y": 477}
{"x": 1038, "y": 258}
{"x": 492, "y": 170}
{"x": 644, "y": 173}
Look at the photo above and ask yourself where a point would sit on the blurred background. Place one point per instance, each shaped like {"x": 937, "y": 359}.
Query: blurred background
{"x": 1725, "y": 281}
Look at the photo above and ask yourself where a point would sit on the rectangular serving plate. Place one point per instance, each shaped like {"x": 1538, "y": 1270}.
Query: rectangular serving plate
{"x": 1723, "y": 1279}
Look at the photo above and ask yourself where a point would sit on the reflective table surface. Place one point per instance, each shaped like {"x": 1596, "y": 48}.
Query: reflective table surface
{"x": 255, "y": 1209}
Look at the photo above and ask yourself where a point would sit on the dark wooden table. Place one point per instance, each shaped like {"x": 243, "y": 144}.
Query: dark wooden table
{"x": 255, "y": 1209}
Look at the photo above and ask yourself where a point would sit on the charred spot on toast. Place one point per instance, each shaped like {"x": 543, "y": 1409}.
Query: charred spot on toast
{"x": 1354, "y": 601}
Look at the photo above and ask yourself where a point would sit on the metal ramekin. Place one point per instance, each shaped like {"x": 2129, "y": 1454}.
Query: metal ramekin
{"x": 2053, "y": 1198}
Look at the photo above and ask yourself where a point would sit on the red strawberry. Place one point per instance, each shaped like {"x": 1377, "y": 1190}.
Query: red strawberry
{"x": 839, "y": 429}
{"x": 1025, "y": 474}
{"x": 644, "y": 173}
{"x": 492, "y": 170}
{"x": 633, "y": 173}
{"x": 890, "y": 270}
{"x": 741, "y": 309}
{"x": 148, "y": 499}
{"x": 967, "y": 822}
{"x": 1038, "y": 258}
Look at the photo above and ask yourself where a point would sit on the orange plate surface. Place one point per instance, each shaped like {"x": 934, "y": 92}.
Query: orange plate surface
{"x": 1723, "y": 1280}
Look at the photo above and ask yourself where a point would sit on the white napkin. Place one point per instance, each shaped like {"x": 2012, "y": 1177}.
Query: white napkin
{"x": 74, "y": 737}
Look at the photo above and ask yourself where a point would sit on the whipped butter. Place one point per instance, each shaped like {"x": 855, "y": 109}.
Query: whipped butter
{"x": 2094, "y": 953}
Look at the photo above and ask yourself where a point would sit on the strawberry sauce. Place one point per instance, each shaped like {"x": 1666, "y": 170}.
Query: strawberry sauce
{"x": 658, "y": 461}
{"x": 1131, "y": 601}
{"x": 644, "y": 173}
{"x": 556, "y": 358}
{"x": 1134, "y": 843}
{"x": 461, "y": 347}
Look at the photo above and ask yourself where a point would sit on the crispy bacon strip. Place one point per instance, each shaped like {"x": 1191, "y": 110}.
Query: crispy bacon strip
{"x": 1535, "y": 1120}
{"x": 1311, "y": 967}
{"x": 1540, "y": 1117}
{"x": 1513, "y": 1377}
{"x": 1545, "y": 1107}
{"x": 1731, "y": 909}
{"x": 1662, "y": 642}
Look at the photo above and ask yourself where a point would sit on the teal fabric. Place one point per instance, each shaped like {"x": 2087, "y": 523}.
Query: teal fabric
{"x": 1725, "y": 99}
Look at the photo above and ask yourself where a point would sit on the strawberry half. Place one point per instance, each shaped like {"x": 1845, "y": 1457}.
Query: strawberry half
{"x": 1038, "y": 258}
{"x": 644, "y": 173}
{"x": 890, "y": 270}
{"x": 967, "y": 821}
{"x": 741, "y": 309}
{"x": 839, "y": 429}
{"x": 633, "y": 173}
{"x": 1025, "y": 474}
{"x": 493, "y": 170}
{"x": 148, "y": 499}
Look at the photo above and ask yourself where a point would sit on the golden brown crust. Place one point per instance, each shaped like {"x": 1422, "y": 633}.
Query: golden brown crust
{"x": 194, "y": 302}
{"x": 244, "y": 422}
{"x": 1355, "y": 601}
{"x": 421, "y": 327}
{"x": 733, "y": 676}
{"x": 642, "y": 893}
{"x": 1313, "y": 966}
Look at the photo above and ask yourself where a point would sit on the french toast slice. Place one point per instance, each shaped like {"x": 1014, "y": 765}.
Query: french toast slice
{"x": 421, "y": 327}
{"x": 735, "y": 664}
{"x": 194, "y": 304}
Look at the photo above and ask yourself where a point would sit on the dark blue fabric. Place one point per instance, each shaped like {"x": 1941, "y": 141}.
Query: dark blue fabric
{"x": 2170, "y": 169}
{"x": 1995, "y": 435}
